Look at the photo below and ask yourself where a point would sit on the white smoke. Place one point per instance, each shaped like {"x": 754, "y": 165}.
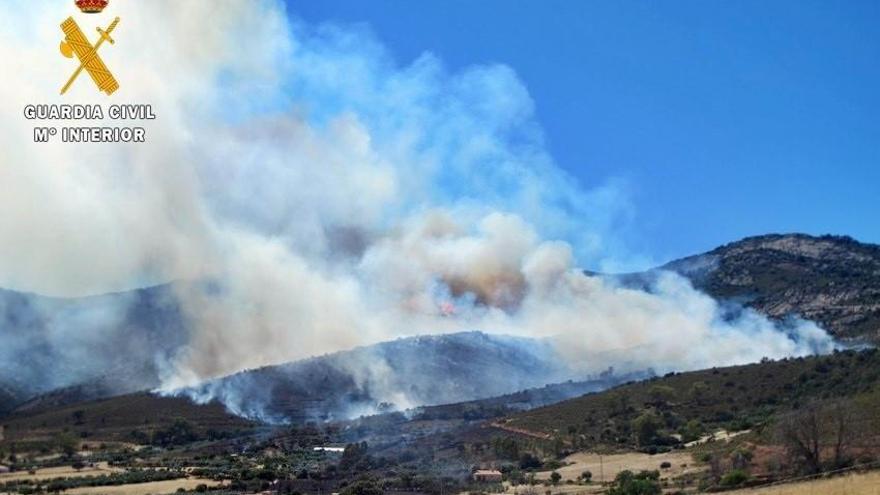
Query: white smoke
{"x": 309, "y": 194}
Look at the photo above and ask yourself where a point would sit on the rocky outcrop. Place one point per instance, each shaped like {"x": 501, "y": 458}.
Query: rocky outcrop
{"x": 832, "y": 280}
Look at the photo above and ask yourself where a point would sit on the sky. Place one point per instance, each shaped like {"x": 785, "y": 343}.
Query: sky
{"x": 719, "y": 120}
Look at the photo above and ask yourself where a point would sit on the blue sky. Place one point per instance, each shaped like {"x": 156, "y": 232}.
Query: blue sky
{"x": 724, "y": 119}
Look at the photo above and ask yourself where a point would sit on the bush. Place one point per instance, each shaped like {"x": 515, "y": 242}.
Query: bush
{"x": 646, "y": 427}
{"x": 665, "y": 465}
{"x": 181, "y": 432}
{"x": 528, "y": 461}
{"x": 734, "y": 478}
{"x": 363, "y": 487}
{"x": 644, "y": 483}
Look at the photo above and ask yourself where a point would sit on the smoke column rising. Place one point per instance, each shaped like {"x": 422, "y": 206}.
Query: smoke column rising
{"x": 307, "y": 194}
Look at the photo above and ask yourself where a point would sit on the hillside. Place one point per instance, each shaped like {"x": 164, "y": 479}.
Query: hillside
{"x": 9, "y": 397}
{"x": 402, "y": 373}
{"x": 732, "y": 398}
{"x": 106, "y": 344}
{"x": 832, "y": 280}
{"x": 118, "y": 418}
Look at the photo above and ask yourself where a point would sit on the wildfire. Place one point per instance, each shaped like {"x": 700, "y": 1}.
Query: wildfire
{"x": 447, "y": 308}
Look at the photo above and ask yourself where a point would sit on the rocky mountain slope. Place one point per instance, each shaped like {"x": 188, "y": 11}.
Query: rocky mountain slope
{"x": 832, "y": 280}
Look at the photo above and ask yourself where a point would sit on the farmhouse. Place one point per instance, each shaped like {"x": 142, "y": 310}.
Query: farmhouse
{"x": 487, "y": 476}
{"x": 3, "y": 469}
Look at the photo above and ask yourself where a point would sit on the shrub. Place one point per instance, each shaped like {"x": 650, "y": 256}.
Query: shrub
{"x": 646, "y": 427}
{"x": 735, "y": 477}
{"x": 528, "y": 461}
{"x": 363, "y": 487}
{"x": 644, "y": 483}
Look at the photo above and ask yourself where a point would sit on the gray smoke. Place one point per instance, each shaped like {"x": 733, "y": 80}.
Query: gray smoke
{"x": 308, "y": 194}
{"x": 395, "y": 375}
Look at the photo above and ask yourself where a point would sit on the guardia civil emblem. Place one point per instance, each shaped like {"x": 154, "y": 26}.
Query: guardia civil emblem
{"x": 76, "y": 44}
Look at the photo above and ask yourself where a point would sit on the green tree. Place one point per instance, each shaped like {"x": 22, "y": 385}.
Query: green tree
{"x": 506, "y": 448}
{"x": 662, "y": 394}
{"x": 364, "y": 487}
{"x": 698, "y": 392}
{"x": 644, "y": 483}
{"x": 692, "y": 430}
{"x": 734, "y": 478}
{"x": 529, "y": 461}
{"x": 67, "y": 443}
{"x": 179, "y": 433}
{"x": 355, "y": 457}
{"x": 646, "y": 427}
{"x": 555, "y": 477}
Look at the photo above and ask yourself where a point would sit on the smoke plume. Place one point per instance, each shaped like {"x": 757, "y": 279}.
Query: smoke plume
{"x": 307, "y": 193}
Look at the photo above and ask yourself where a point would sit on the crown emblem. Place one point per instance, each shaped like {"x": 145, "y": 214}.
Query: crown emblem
{"x": 91, "y": 6}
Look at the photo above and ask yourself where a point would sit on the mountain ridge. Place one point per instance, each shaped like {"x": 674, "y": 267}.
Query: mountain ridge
{"x": 402, "y": 373}
{"x": 834, "y": 280}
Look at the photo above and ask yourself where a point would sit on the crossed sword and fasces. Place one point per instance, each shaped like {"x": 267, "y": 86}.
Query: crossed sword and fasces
{"x": 75, "y": 42}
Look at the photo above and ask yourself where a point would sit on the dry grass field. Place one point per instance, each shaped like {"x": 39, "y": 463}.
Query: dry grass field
{"x": 854, "y": 484}
{"x": 609, "y": 465}
{"x": 154, "y": 488}
{"x": 592, "y": 489}
{"x": 60, "y": 472}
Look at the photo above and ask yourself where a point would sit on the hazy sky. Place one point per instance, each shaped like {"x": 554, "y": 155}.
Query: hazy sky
{"x": 722, "y": 119}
